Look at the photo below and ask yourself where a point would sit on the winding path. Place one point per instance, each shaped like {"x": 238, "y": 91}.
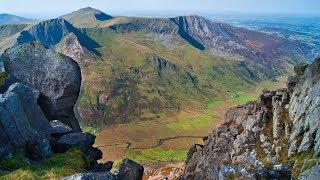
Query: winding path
{"x": 160, "y": 142}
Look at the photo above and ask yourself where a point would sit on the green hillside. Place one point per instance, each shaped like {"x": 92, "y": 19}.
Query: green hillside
{"x": 142, "y": 78}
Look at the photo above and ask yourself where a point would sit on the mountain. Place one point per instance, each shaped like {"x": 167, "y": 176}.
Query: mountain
{"x": 7, "y": 31}
{"x": 12, "y": 19}
{"x": 203, "y": 34}
{"x": 149, "y": 68}
{"x": 60, "y": 34}
{"x": 87, "y": 17}
{"x": 275, "y": 137}
{"x": 252, "y": 45}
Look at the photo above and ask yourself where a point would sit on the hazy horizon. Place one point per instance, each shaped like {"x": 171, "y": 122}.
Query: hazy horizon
{"x": 42, "y": 9}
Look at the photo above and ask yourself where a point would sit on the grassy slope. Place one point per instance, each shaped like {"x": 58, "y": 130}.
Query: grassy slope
{"x": 58, "y": 166}
{"x": 191, "y": 110}
{"x": 214, "y": 75}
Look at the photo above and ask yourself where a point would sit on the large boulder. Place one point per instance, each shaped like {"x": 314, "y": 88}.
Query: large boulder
{"x": 56, "y": 76}
{"x": 58, "y": 129}
{"x": 23, "y": 126}
{"x": 83, "y": 141}
{"x": 130, "y": 170}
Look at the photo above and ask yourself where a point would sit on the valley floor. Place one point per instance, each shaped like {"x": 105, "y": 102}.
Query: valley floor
{"x": 157, "y": 144}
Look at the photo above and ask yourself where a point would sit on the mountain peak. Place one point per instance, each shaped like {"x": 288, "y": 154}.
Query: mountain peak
{"x": 89, "y": 9}
{"x": 87, "y": 17}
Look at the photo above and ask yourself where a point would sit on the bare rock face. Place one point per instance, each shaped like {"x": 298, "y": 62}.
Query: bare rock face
{"x": 72, "y": 47}
{"x": 23, "y": 126}
{"x": 271, "y": 130}
{"x": 305, "y": 110}
{"x": 55, "y": 76}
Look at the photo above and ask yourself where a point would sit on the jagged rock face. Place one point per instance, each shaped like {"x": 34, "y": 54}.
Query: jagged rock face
{"x": 60, "y": 34}
{"x": 311, "y": 174}
{"x": 55, "y": 76}
{"x": 270, "y": 131}
{"x": 23, "y": 126}
{"x": 245, "y": 137}
{"x": 71, "y": 47}
{"x": 305, "y": 111}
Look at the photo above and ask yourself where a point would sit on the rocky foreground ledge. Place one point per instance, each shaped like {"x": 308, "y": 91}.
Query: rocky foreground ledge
{"x": 36, "y": 113}
{"x": 276, "y": 137}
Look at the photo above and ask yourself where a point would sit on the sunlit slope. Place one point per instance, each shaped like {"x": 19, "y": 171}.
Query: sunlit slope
{"x": 142, "y": 78}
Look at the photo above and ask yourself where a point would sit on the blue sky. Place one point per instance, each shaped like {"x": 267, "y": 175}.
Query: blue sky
{"x": 48, "y": 8}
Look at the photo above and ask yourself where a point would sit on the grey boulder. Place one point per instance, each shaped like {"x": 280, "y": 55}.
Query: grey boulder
{"x": 130, "y": 170}
{"x": 56, "y": 76}
{"x": 82, "y": 140}
{"x": 58, "y": 129}
{"x": 23, "y": 126}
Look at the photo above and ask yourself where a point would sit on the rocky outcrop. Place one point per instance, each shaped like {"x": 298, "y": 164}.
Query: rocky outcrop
{"x": 128, "y": 170}
{"x": 59, "y": 34}
{"x": 280, "y": 125}
{"x": 58, "y": 129}
{"x": 305, "y": 111}
{"x": 23, "y": 126}
{"x": 71, "y": 47}
{"x": 55, "y": 76}
{"x": 311, "y": 174}
{"x": 83, "y": 141}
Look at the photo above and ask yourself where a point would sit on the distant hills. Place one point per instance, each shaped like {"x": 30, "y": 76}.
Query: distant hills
{"x": 12, "y": 19}
{"x": 148, "y": 68}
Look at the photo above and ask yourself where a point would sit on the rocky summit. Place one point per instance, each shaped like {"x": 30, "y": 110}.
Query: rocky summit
{"x": 56, "y": 76}
{"x": 266, "y": 138}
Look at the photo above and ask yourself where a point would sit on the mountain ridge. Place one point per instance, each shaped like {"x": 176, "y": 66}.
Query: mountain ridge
{"x": 13, "y": 19}
{"x": 126, "y": 51}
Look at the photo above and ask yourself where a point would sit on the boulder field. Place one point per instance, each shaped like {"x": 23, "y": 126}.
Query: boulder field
{"x": 266, "y": 138}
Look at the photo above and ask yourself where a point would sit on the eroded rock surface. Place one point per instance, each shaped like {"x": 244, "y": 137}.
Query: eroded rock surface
{"x": 278, "y": 126}
{"x": 55, "y": 76}
{"x": 23, "y": 126}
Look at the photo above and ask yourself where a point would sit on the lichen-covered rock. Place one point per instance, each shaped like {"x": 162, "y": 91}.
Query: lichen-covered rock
{"x": 311, "y": 174}
{"x": 305, "y": 109}
{"x": 280, "y": 125}
{"x": 23, "y": 126}
{"x": 55, "y": 76}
